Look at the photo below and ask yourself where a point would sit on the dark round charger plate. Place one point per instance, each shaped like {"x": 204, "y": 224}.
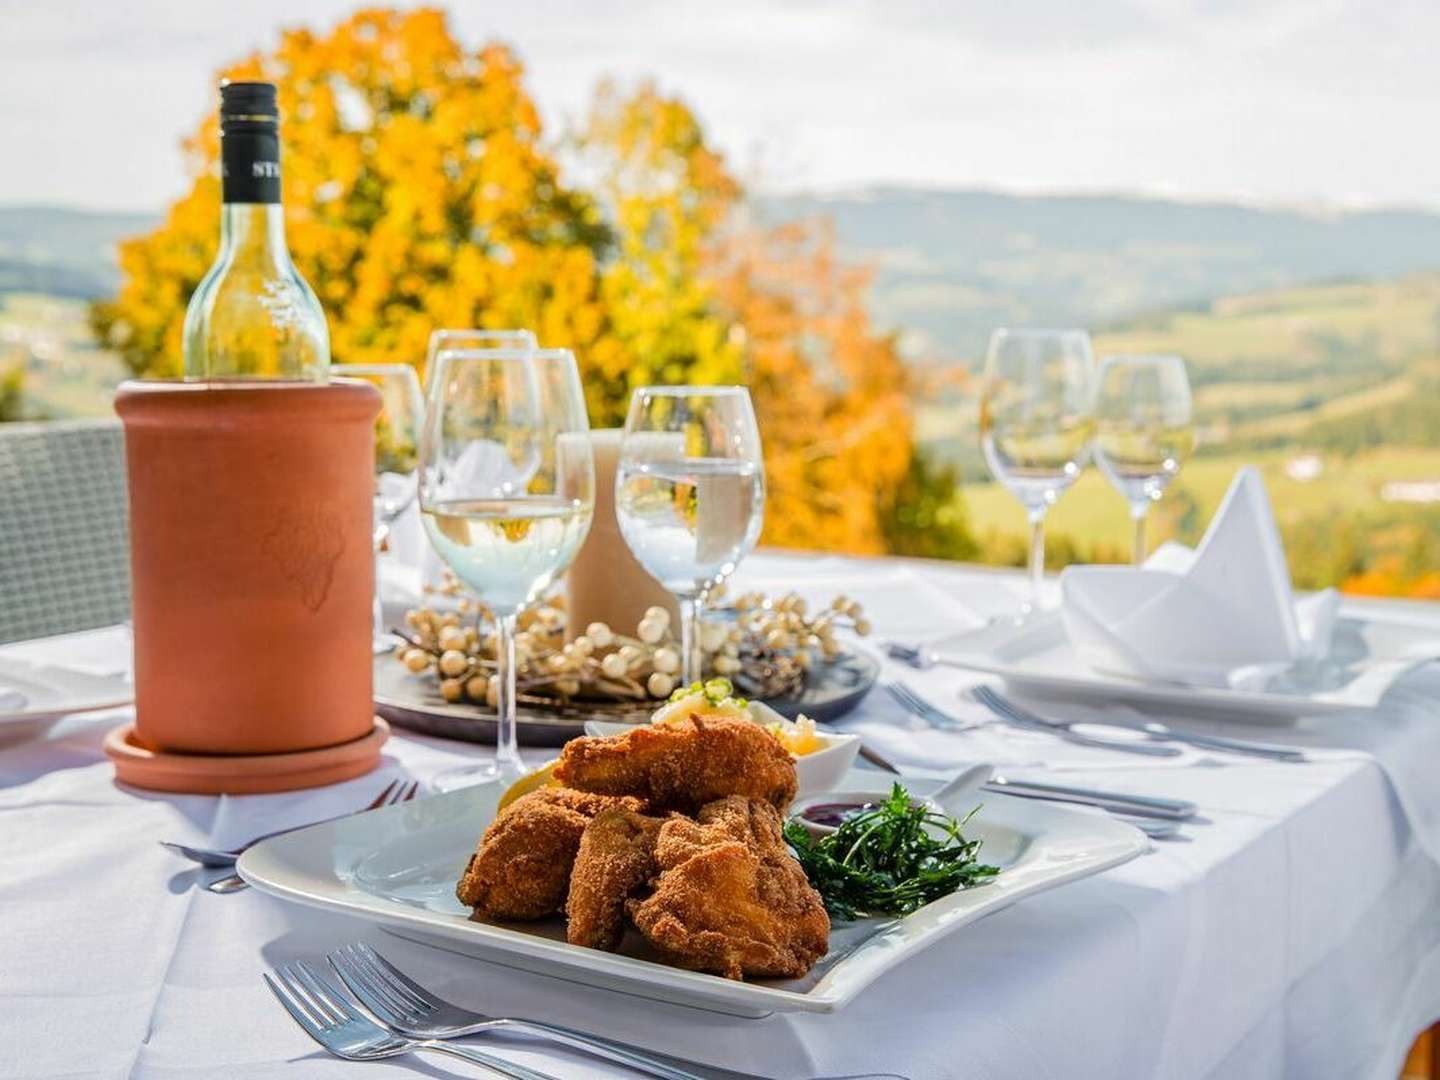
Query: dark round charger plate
{"x": 411, "y": 701}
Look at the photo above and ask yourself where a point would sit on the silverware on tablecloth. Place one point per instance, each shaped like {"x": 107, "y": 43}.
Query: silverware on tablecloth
{"x": 913, "y": 703}
{"x": 997, "y": 702}
{"x": 393, "y": 792}
{"x": 1120, "y": 803}
{"x": 391, "y": 796}
{"x": 408, "y": 1009}
{"x": 933, "y": 714}
{"x": 1146, "y": 806}
{"x": 326, "y": 1015}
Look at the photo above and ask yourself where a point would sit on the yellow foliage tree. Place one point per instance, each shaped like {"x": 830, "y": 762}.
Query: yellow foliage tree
{"x": 419, "y": 193}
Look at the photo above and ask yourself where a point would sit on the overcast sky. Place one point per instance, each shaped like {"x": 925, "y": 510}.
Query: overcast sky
{"x": 1291, "y": 101}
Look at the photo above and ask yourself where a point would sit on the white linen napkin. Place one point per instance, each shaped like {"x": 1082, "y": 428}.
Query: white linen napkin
{"x": 1218, "y": 616}
{"x": 12, "y": 700}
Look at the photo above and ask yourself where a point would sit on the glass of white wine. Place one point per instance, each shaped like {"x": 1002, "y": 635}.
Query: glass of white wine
{"x": 507, "y": 490}
{"x": 1144, "y": 430}
{"x": 1036, "y": 423}
{"x": 690, "y": 493}
{"x": 397, "y": 459}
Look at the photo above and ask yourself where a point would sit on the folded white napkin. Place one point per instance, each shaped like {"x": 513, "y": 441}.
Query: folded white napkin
{"x": 11, "y": 700}
{"x": 1223, "y": 615}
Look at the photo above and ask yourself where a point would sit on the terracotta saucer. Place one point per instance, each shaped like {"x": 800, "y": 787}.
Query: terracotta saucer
{"x": 241, "y": 774}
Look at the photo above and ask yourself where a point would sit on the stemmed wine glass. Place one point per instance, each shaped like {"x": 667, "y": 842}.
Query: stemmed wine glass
{"x": 507, "y": 490}
{"x": 451, "y": 340}
{"x": 397, "y": 457}
{"x": 1035, "y": 423}
{"x": 690, "y": 493}
{"x": 1144, "y": 429}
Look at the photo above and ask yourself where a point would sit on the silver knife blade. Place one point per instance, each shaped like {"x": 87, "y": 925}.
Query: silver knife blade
{"x": 1138, "y": 805}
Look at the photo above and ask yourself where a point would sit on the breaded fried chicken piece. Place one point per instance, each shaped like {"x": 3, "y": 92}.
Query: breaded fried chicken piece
{"x": 616, "y": 860}
{"x": 521, "y": 868}
{"x": 685, "y": 765}
{"x": 730, "y": 897}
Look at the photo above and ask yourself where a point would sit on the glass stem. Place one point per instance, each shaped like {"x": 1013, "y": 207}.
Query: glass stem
{"x": 507, "y": 744}
{"x": 689, "y": 637}
{"x": 1138, "y": 514}
{"x": 1037, "y": 558}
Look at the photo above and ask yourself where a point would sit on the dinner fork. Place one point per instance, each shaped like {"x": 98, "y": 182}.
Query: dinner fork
{"x": 326, "y": 1016}
{"x": 996, "y": 701}
{"x": 933, "y": 714}
{"x": 913, "y": 703}
{"x": 406, "y": 1007}
{"x": 393, "y": 792}
{"x": 235, "y": 883}
{"x": 1015, "y": 716}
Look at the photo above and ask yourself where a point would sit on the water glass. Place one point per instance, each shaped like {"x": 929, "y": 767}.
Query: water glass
{"x": 1036, "y": 423}
{"x": 690, "y": 493}
{"x": 1144, "y": 430}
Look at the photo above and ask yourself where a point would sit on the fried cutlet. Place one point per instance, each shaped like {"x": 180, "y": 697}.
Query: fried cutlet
{"x": 730, "y": 897}
{"x": 682, "y": 766}
{"x": 521, "y": 868}
{"x": 616, "y": 860}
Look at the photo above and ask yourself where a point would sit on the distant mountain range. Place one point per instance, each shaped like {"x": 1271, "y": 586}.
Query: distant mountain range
{"x": 64, "y": 252}
{"x": 950, "y": 265}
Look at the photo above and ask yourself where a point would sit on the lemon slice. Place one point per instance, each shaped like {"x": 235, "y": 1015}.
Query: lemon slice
{"x": 544, "y": 776}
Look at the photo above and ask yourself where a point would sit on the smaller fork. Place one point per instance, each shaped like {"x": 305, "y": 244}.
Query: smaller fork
{"x": 391, "y": 796}
{"x": 326, "y": 1016}
{"x": 216, "y": 857}
{"x": 913, "y": 703}
{"x": 405, "y": 1006}
{"x": 1015, "y": 716}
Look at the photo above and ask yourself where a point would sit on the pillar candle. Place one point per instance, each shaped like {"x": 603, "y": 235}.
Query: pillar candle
{"x": 605, "y": 583}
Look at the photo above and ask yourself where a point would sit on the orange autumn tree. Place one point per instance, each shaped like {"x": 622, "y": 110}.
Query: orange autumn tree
{"x": 829, "y": 391}
{"x": 420, "y": 192}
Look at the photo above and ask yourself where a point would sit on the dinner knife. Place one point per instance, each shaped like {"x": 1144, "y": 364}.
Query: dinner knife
{"x": 1120, "y": 803}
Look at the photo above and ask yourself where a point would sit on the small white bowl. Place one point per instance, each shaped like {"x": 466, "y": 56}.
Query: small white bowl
{"x": 819, "y": 771}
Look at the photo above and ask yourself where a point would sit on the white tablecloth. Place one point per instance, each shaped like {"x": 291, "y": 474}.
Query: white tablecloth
{"x": 1293, "y": 932}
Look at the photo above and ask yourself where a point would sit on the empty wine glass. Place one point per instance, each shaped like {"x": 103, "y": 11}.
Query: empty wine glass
{"x": 1144, "y": 429}
{"x": 397, "y": 457}
{"x": 507, "y": 490}
{"x": 690, "y": 493}
{"x": 1035, "y": 423}
{"x": 451, "y": 340}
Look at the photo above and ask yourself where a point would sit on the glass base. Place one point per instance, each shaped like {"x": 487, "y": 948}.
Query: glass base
{"x": 463, "y": 776}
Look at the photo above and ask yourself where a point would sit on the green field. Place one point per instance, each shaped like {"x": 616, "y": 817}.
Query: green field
{"x": 49, "y": 339}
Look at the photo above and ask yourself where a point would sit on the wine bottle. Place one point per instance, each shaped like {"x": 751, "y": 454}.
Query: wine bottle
{"x": 253, "y": 316}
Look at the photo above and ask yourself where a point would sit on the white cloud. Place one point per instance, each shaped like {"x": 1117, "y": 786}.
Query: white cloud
{"x": 1274, "y": 100}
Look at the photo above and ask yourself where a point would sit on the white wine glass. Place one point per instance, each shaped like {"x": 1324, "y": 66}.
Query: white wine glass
{"x": 507, "y": 491}
{"x": 690, "y": 493}
{"x": 1035, "y": 424}
{"x": 397, "y": 460}
{"x": 1144, "y": 430}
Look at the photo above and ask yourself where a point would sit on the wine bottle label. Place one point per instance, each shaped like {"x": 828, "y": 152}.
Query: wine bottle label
{"x": 250, "y": 164}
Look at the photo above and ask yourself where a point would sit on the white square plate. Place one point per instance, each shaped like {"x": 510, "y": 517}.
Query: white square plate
{"x": 397, "y": 867}
{"x": 1371, "y": 652}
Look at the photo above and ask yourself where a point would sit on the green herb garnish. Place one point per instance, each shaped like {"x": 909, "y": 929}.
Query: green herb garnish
{"x": 887, "y": 860}
{"x": 717, "y": 691}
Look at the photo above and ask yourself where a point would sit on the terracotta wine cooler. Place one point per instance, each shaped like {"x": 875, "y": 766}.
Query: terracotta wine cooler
{"x": 251, "y": 498}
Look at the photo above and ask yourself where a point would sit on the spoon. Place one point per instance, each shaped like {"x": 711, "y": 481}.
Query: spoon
{"x": 962, "y": 788}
